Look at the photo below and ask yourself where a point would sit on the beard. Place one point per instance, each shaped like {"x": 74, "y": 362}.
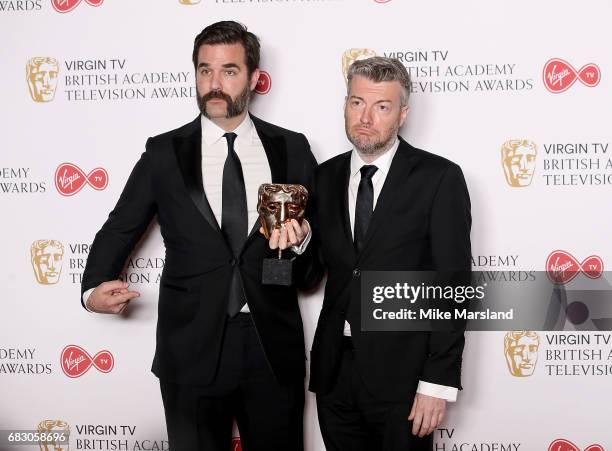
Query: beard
{"x": 371, "y": 145}
{"x": 235, "y": 107}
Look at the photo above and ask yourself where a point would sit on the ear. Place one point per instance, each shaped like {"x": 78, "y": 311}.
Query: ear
{"x": 404, "y": 114}
{"x": 254, "y": 79}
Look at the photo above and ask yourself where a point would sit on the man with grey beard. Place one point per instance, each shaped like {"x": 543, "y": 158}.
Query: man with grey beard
{"x": 384, "y": 206}
{"x": 227, "y": 346}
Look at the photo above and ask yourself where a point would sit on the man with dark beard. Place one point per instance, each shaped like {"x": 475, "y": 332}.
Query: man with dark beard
{"x": 227, "y": 346}
{"x": 384, "y": 206}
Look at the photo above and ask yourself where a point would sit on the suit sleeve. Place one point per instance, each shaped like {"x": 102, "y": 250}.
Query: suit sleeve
{"x": 309, "y": 270}
{"x": 123, "y": 228}
{"x": 450, "y": 224}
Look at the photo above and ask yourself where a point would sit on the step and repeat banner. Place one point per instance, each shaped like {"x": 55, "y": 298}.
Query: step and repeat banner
{"x": 517, "y": 93}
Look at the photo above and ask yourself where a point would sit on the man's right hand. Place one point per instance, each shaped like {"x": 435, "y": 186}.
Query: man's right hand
{"x": 110, "y": 297}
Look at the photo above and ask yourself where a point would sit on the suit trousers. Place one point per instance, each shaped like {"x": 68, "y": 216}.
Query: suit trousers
{"x": 352, "y": 419}
{"x": 269, "y": 416}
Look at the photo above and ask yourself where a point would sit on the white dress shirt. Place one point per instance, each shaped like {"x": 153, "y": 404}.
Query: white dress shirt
{"x": 383, "y": 163}
{"x": 252, "y": 156}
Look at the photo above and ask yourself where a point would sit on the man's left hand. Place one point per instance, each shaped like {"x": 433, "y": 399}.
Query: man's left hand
{"x": 290, "y": 234}
{"x": 426, "y": 414}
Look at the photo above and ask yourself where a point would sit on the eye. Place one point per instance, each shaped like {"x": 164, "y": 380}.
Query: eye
{"x": 230, "y": 72}
{"x": 204, "y": 71}
{"x": 273, "y": 207}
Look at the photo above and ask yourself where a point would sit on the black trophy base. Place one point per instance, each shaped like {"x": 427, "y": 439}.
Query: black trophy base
{"x": 277, "y": 272}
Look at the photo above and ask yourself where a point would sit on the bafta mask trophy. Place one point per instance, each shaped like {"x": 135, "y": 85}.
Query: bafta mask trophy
{"x": 276, "y": 204}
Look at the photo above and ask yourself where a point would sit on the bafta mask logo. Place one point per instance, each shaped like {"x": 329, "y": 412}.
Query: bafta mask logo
{"x": 519, "y": 161}
{"x": 47, "y": 258}
{"x": 278, "y": 203}
{"x": 58, "y": 434}
{"x": 521, "y": 351}
{"x": 42, "y": 74}
{"x": 352, "y": 55}
{"x": 189, "y": 2}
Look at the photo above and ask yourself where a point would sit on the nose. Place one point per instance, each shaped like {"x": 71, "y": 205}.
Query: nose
{"x": 45, "y": 80}
{"x": 523, "y": 164}
{"x": 283, "y": 212}
{"x": 366, "y": 116}
{"x": 215, "y": 82}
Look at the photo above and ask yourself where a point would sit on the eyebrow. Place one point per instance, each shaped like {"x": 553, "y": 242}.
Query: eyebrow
{"x": 225, "y": 66}
{"x": 378, "y": 101}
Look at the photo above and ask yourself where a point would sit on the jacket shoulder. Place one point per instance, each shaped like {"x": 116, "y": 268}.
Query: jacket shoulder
{"x": 165, "y": 139}
{"x": 427, "y": 160}
{"x": 272, "y": 129}
{"x": 334, "y": 163}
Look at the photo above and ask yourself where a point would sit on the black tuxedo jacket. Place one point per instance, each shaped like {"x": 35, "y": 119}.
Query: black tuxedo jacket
{"x": 167, "y": 182}
{"x": 421, "y": 222}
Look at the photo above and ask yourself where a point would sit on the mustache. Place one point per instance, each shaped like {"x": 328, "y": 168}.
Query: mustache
{"x": 217, "y": 95}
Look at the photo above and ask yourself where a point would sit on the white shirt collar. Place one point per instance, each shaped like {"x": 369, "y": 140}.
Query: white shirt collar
{"x": 211, "y": 132}
{"x": 383, "y": 162}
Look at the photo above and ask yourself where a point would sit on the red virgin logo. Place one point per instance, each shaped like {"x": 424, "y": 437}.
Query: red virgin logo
{"x": 75, "y": 361}
{"x": 562, "y": 267}
{"x": 565, "y": 445}
{"x": 65, "y": 6}
{"x": 70, "y": 179}
{"x": 236, "y": 444}
{"x": 264, "y": 84}
{"x": 559, "y": 75}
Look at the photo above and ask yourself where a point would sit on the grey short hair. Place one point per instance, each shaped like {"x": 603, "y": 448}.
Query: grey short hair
{"x": 379, "y": 69}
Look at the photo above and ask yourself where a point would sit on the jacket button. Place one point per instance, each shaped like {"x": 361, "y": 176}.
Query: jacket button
{"x": 232, "y": 261}
{"x": 356, "y": 273}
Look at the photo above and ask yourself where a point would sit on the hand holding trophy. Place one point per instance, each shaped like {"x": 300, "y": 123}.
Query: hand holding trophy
{"x": 277, "y": 205}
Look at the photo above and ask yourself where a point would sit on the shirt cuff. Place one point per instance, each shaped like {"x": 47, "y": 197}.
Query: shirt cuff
{"x": 301, "y": 248}
{"x": 86, "y": 298}
{"x": 438, "y": 391}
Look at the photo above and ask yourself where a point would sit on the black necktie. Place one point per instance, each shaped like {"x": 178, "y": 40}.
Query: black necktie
{"x": 234, "y": 218}
{"x": 364, "y": 205}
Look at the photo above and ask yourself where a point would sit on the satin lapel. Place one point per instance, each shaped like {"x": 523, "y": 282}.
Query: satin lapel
{"x": 276, "y": 152}
{"x": 342, "y": 192}
{"x": 401, "y": 166}
{"x": 188, "y": 150}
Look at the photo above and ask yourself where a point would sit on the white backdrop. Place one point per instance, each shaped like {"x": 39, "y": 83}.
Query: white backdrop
{"x": 480, "y": 79}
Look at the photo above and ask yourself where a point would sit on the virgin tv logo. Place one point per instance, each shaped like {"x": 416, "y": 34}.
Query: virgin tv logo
{"x": 264, "y": 84}
{"x": 75, "y": 361}
{"x": 565, "y": 445}
{"x": 559, "y": 75}
{"x": 562, "y": 267}
{"x": 65, "y": 6}
{"x": 70, "y": 179}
